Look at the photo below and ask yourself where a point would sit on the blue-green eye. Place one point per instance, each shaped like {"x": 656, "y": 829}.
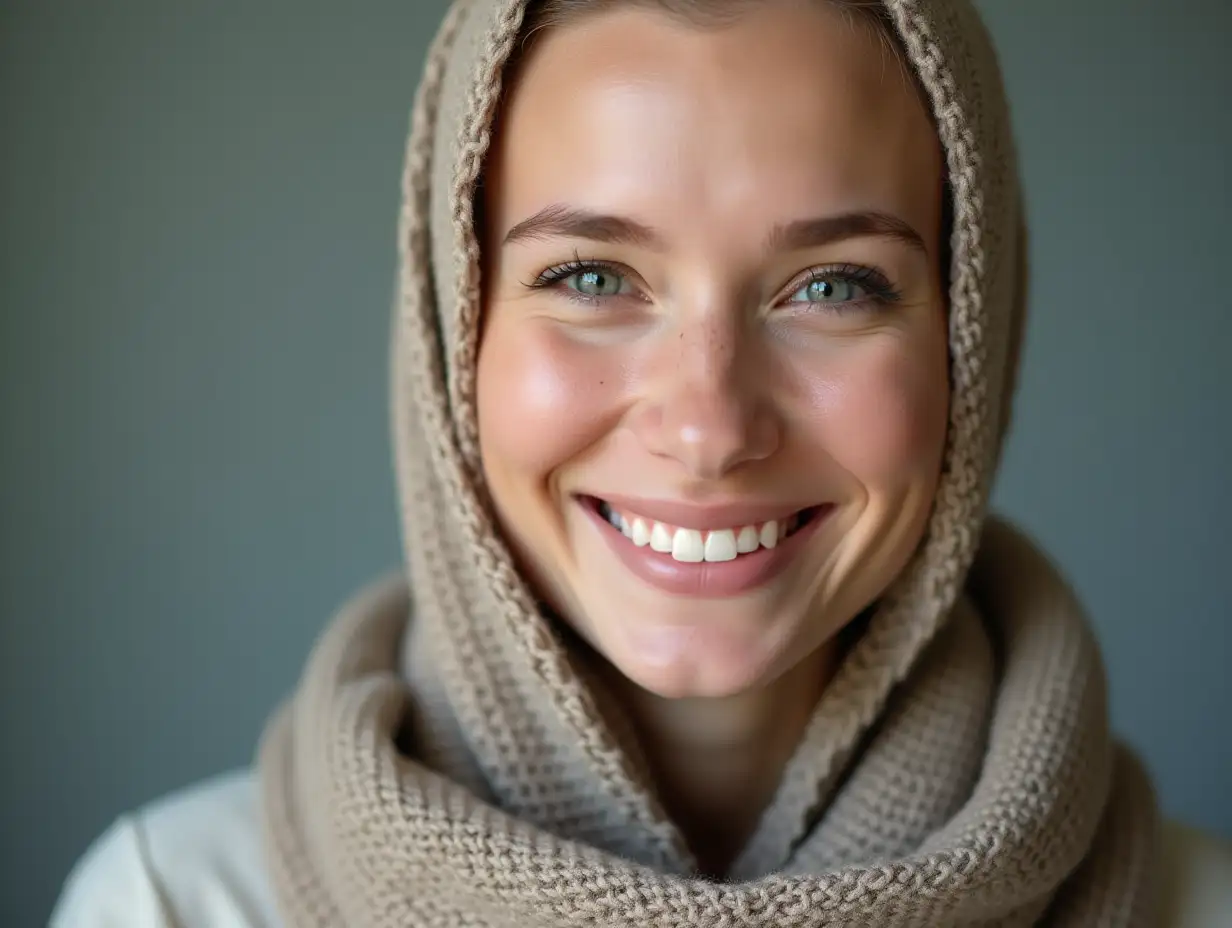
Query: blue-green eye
{"x": 828, "y": 290}
{"x": 597, "y": 282}
{"x": 585, "y": 281}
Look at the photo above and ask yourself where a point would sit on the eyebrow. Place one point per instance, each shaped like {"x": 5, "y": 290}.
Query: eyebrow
{"x": 560, "y": 221}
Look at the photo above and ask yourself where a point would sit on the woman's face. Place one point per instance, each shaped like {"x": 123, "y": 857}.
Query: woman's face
{"x": 712, "y": 380}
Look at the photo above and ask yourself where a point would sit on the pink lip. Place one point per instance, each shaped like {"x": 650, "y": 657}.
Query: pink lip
{"x": 705, "y": 580}
{"x": 704, "y": 518}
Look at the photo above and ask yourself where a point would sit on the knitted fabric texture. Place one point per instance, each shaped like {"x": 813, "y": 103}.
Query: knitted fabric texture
{"x": 447, "y": 761}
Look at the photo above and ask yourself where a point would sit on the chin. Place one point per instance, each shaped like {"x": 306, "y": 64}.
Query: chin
{"x": 690, "y": 682}
{"x": 692, "y": 660}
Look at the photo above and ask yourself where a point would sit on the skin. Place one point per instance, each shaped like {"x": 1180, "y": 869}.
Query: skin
{"x": 710, "y": 375}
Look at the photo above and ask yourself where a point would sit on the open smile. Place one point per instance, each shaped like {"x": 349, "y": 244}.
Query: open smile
{"x": 702, "y": 551}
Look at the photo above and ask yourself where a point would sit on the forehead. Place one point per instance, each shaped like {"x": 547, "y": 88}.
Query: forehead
{"x": 797, "y": 110}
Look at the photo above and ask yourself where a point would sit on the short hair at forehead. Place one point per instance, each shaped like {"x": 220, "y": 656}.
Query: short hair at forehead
{"x": 701, "y": 13}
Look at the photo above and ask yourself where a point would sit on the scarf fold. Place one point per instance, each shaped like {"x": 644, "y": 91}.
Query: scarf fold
{"x": 989, "y": 793}
{"x": 448, "y": 760}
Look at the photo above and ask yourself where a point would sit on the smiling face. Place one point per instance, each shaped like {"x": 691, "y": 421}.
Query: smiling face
{"x": 712, "y": 382}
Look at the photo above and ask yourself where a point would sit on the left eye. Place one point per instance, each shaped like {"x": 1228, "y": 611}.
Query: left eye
{"x": 828, "y": 290}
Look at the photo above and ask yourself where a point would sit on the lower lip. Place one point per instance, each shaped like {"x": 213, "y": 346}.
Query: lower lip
{"x": 708, "y": 579}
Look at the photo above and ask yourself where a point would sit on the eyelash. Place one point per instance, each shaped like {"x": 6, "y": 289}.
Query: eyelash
{"x": 880, "y": 292}
{"x": 561, "y": 272}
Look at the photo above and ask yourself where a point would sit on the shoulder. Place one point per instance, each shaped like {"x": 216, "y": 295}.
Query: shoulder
{"x": 1196, "y": 878}
{"x": 191, "y": 859}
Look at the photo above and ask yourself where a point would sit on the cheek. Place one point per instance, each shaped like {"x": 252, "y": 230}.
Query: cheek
{"x": 542, "y": 399}
{"x": 883, "y": 411}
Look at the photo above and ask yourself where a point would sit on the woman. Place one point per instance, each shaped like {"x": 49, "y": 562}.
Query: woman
{"x": 703, "y": 354}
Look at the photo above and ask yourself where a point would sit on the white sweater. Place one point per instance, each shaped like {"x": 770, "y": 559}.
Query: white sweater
{"x": 194, "y": 860}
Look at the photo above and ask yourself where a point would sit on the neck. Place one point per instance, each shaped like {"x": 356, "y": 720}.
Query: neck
{"x": 717, "y": 762}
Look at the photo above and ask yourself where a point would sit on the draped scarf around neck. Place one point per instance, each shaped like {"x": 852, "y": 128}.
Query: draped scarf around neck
{"x": 446, "y": 761}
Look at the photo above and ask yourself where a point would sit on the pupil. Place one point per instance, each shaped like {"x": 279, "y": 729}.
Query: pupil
{"x": 823, "y": 288}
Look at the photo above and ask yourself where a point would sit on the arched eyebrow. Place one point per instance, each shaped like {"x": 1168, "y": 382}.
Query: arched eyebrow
{"x": 824, "y": 230}
{"x": 561, "y": 221}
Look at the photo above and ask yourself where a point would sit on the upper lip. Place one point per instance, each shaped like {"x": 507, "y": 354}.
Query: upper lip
{"x": 703, "y": 517}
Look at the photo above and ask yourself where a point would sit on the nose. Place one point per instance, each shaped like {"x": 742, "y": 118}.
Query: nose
{"x": 708, "y": 403}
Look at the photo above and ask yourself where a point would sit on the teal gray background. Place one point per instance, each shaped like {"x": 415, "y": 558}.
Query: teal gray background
{"x": 197, "y": 205}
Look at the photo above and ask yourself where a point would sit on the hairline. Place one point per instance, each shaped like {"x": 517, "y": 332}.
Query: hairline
{"x": 700, "y": 14}
{"x": 542, "y": 15}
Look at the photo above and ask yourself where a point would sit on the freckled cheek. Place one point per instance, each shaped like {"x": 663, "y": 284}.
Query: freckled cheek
{"x": 543, "y": 398}
{"x": 881, "y": 412}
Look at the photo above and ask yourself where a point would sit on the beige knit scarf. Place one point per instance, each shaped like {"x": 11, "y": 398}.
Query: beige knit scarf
{"x": 446, "y": 760}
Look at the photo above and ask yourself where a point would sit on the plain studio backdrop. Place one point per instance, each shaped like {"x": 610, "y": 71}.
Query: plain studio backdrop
{"x": 197, "y": 210}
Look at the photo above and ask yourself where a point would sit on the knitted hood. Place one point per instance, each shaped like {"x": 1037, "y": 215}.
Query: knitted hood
{"x": 462, "y": 768}
{"x": 451, "y": 535}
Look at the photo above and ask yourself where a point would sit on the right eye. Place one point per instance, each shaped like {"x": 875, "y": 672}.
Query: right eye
{"x": 597, "y": 282}
{"x": 586, "y": 281}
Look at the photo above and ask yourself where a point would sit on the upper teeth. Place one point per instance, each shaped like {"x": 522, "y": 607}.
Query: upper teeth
{"x": 693, "y": 546}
